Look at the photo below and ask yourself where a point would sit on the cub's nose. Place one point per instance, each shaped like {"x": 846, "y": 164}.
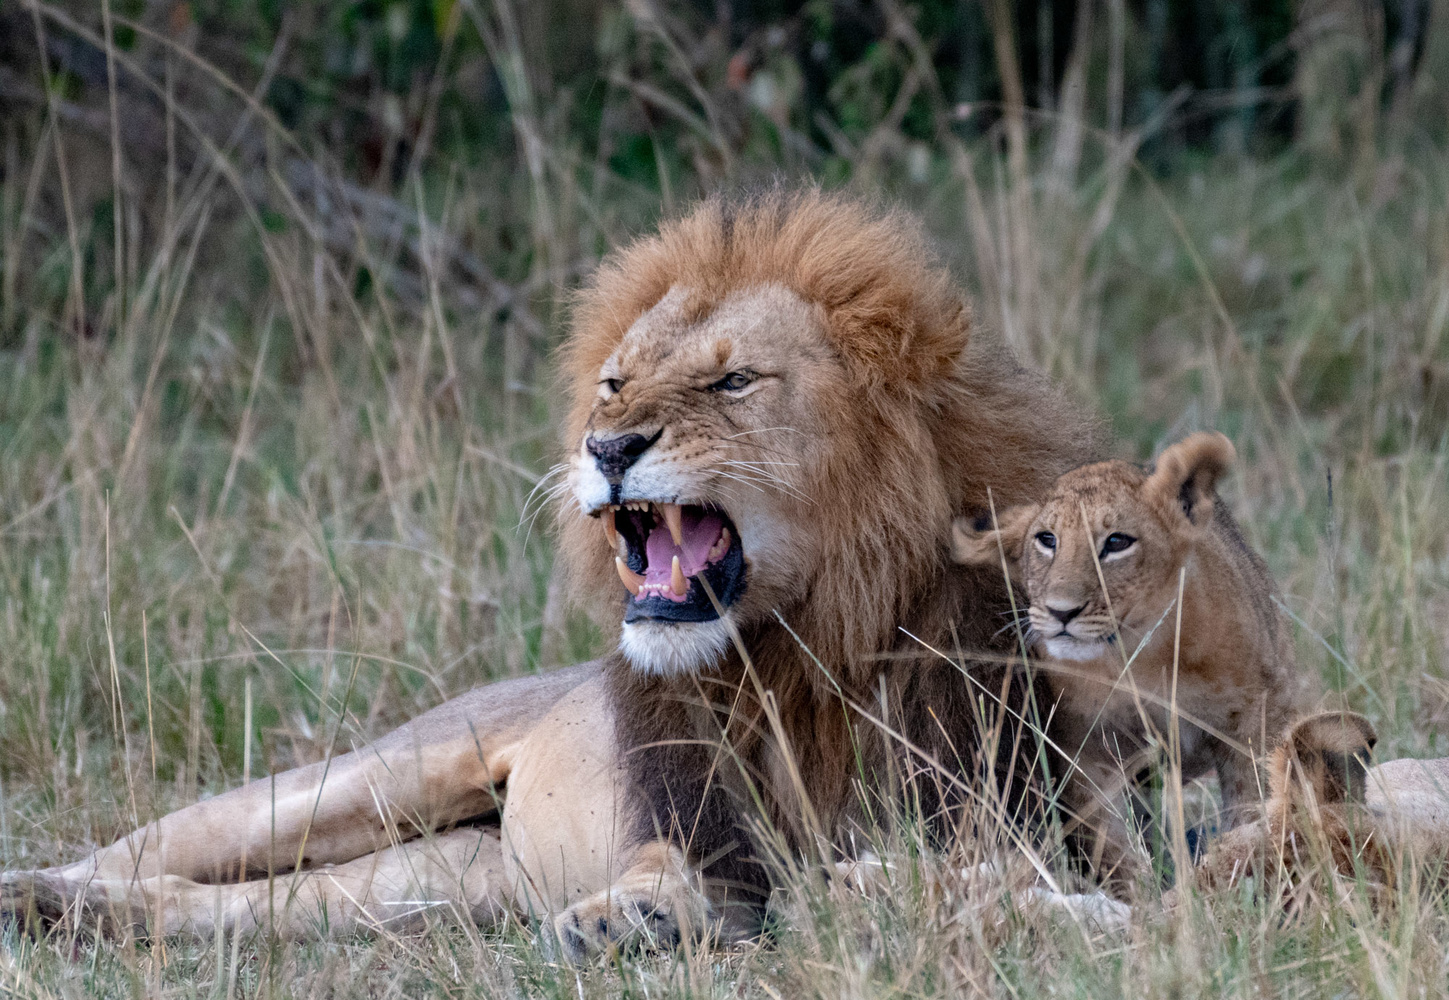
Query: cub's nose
{"x": 1064, "y": 614}
{"x": 615, "y": 455}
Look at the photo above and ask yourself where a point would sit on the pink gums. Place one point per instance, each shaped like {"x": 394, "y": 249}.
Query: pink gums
{"x": 700, "y": 531}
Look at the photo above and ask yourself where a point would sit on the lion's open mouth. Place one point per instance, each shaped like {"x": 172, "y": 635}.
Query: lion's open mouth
{"x": 664, "y": 550}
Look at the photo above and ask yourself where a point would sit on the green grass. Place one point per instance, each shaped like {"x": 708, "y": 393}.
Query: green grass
{"x": 286, "y": 454}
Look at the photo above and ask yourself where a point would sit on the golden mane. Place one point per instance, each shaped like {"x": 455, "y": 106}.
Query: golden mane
{"x": 948, "y": 417}
{"x": 894, "y": 314}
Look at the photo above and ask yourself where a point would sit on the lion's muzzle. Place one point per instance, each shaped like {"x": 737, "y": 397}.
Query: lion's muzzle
{"x": 614, "y": 456}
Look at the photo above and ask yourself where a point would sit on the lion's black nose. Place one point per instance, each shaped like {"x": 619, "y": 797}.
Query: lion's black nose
{"x": 1065, "y": 615}
{"x": 615, "y": 455}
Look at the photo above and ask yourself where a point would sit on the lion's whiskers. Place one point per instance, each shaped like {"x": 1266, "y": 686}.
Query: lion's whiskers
{"x": 759, "y": 430}
{"x": 750, "y": 472}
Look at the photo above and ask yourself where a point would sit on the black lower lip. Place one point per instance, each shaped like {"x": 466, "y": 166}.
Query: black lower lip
{"x": 725, "y": 576}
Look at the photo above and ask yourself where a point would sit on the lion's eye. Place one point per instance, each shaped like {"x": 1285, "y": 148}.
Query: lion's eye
{"x": 612, "y": 384}
{"x": 1117, "y": 542}
{"x": 733, "y": 382}
{"x": 1046, "y": 541}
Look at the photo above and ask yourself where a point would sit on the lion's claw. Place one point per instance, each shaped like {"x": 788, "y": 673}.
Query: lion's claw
{"x": 611, "y": 921}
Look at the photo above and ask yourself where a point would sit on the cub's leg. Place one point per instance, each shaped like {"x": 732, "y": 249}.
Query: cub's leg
{"x": 1093, "y": 798}
{"x": 439, "y": 769}
{"x": 1238, "y": 782}
{"x": 457, "y": 876}
{"x": 1094, "y": 802}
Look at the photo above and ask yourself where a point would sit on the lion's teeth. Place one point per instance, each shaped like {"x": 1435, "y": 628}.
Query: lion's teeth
{"x": 632, "y": 580}
{"x": 677, "y": 582}
{"x": 720, "y": 547}
{"x": 674, "y": 518}
{"x": 610, "y": 532}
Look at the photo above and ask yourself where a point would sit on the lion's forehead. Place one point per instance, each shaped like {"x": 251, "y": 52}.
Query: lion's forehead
{"x": 1108, "y": 506}
{"x": 1108, "y": 494}
{"x": 675, "y": 334}
{"x": 1064, "y": 517}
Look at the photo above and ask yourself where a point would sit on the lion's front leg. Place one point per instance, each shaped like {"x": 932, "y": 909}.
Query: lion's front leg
{"x": 655, "y": 902}
{"x": 454, "y": 876}
{"x": 440, "y": 769}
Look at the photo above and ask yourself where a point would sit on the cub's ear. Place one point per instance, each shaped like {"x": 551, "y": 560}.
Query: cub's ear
{"x": 1187, "y": 474}
{"x": 975, "y": 541}
{"x": 1328, "y": 753}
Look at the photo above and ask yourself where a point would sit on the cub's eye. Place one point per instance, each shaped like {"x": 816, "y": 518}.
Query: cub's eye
{"x": 1117, "y": 542}
{"x": 1047, "y": 541}
{"x": 733, "y": 382}
{"x": 612, "y": 384}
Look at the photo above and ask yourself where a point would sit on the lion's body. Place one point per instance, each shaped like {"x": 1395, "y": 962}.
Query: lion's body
{"x": 793, "y": 381}
{"x": 865, "y": 419}
{"x": 1212, "y": 687}
{"x": 1330, "y": 815}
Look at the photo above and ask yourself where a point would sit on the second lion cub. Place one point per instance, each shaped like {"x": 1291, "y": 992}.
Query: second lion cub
{"x": 1099, "y": 561}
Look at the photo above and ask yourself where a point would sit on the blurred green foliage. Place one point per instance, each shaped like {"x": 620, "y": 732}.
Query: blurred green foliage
{"x": 355, "y": 75}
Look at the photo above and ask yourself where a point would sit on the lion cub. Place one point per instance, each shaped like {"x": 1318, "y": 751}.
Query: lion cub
{"x": 1328, "y": 812}
{"x": 1100, "y": 561}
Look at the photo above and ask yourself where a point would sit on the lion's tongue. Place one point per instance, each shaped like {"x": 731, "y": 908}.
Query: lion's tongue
{"x": 700, "y": 532}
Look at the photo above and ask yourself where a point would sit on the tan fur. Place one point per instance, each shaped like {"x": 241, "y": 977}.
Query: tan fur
{"x": 875, "y": 418}
{"x": 1329, "y": 815}
{"x": 353, "y": 823}
{"x": 1230, "y": 676}
{"x": 889, "y": 421}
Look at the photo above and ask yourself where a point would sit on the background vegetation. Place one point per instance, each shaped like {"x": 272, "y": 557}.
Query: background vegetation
{"x": 278, "y": 283}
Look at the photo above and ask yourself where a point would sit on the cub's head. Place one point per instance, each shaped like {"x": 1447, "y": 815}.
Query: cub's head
{"x": 773, "y": 410}
{"x": 1324, "y": 759}
{"x": 1110, "y": 523}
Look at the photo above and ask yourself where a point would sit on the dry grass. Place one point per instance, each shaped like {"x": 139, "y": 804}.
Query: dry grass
{"x": 281, "y": 471}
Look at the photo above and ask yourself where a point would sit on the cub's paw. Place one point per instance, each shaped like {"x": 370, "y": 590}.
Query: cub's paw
{"x": 617, "y": 920}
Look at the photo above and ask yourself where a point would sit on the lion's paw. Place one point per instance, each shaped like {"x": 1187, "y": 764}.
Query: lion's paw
{"x": 617, "y": 919}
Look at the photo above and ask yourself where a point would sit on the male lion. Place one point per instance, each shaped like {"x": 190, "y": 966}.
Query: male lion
{"x": 776, "y": 410}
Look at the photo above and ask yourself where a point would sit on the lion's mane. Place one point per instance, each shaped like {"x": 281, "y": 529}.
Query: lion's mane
{"x": 934, "y": 419}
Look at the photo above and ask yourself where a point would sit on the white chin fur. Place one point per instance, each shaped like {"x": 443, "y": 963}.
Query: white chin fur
{"x": 668, "y": 648}
{"x": 1076, "y": 649}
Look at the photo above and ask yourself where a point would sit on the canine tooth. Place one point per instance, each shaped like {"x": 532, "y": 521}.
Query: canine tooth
{"x": 677, "y": 582}
{"x": 632, "y": 580}
{"x": 674, "y": 518}
{"x": 610, "y": 532}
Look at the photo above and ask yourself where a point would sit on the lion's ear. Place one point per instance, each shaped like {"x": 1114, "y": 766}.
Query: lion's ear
{"x": 1187, "y": 474}
{"x": 1329, "y": 753}
{"x": 977, "y": 541}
